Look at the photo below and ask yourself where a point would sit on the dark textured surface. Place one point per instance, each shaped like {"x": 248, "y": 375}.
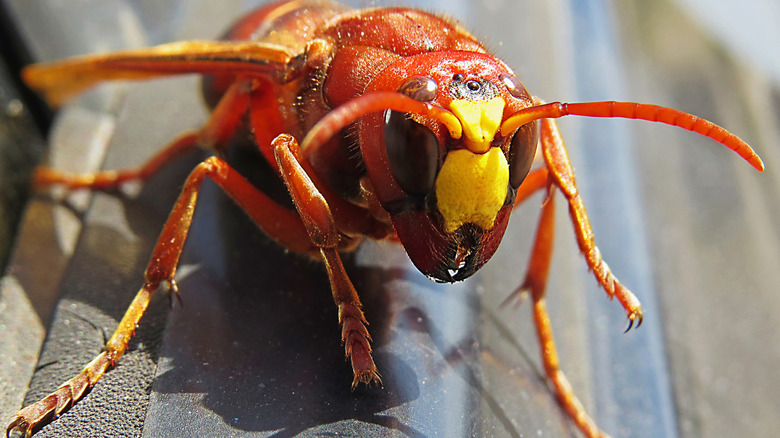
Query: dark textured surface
{"x": 21, "y": 147}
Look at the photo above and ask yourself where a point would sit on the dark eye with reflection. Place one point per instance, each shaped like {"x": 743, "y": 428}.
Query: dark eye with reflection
{"x": 521, "y": 153}
{"x": 419, "y": 88}
{"x": 413, "y": 152}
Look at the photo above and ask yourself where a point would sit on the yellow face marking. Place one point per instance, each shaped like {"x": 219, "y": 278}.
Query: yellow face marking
{"x": 471, "y": 188}
{"x": 480, "y": 120}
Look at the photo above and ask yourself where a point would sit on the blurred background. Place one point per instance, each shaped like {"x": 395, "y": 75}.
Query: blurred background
{"x": 682, "y": 221}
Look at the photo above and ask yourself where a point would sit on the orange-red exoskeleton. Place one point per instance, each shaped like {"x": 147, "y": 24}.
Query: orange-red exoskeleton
{"x": 385, "y": 123}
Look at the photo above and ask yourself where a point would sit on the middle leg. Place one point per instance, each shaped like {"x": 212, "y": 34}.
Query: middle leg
{"x": 277, "y": 221}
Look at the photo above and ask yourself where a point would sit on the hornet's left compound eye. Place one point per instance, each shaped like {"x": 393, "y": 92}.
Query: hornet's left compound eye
{"x": 413, "y": 152}
{"x": 521, "y": 152}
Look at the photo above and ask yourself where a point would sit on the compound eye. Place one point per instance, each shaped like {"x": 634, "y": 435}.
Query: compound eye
{"x": 521, "y": 152}
{"x": 419, "y": 88}
{"x": 413, "y": 152}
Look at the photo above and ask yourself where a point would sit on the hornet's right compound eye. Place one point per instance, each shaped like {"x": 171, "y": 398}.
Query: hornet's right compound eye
{"x": 413, "y": 152}
{"x": 420, "y": 88}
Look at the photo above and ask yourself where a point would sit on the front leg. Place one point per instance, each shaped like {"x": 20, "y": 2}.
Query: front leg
{"x": 557, "y": 160}
{"x": 321, "y": 228}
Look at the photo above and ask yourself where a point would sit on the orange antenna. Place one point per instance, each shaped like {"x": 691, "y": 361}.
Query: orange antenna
{"x": 358, "y": 107}
{"x": 632, "y": 110}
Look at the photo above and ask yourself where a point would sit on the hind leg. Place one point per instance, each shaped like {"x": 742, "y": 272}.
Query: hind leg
{"x": 217, "y": 132}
